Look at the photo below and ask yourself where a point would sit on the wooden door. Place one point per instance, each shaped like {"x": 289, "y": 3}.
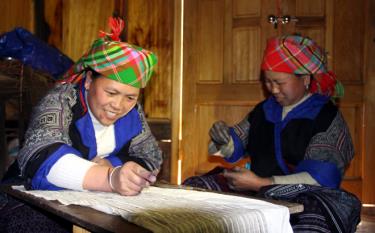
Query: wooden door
{"x": 223, "y": 45}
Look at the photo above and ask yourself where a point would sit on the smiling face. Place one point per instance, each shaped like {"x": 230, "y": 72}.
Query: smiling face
{"x": 108, "y": 99}
{"x": 288, "y": 89}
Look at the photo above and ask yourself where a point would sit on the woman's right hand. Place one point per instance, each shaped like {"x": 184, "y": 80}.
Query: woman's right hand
{"x": 131, "y": 179}
{"x": 241, "y": 179}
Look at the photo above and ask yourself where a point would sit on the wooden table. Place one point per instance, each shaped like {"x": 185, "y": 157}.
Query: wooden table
{"x": 87, "y": 219}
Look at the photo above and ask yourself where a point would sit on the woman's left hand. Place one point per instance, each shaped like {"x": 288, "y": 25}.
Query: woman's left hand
{"x": 241, "y": 179}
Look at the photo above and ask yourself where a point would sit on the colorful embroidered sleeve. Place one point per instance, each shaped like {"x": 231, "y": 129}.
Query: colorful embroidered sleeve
{"x": 145, "y": 147}
{"x": 329, "y": 153}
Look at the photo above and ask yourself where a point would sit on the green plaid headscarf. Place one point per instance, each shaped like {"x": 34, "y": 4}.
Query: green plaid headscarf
{"x": 119, "y": 61}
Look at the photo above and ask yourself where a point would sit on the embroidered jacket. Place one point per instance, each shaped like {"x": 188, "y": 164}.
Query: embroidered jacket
{"x": 313, "y": 138}
{"x": 61, "y": 124}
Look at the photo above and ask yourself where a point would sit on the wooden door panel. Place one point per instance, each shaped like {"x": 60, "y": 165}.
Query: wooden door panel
{"x": 314, "y": 32}
{"x": 349, "y": 37}
{"x": 246, "y": 55}
{"x": 353, "y": 178}
{"x": 353, "y": 114}
{"x": 246, "y": 8}
{"x": 210, "y": 37}
{"x": 310, "y": 8}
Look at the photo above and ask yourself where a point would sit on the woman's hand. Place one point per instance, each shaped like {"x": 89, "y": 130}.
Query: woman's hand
{"x": 241, "y": 179}
{"x": 219, "y": 133}
{"x": 131, "y": 178}
{"x": 101, "y": 161}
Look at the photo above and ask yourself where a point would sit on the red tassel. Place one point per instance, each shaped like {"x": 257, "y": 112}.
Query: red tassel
{"x": 116, "y": 25}
{"x": 324, "y": 83}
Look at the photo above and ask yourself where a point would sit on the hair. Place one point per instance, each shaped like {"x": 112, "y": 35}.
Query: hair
{"x": 94, "y": 74}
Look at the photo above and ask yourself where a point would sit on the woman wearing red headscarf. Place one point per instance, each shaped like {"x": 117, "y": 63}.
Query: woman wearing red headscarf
{"x": 297, "y": 139}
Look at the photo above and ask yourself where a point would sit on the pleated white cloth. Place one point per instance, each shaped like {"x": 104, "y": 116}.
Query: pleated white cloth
{"x": 163, "y": 210}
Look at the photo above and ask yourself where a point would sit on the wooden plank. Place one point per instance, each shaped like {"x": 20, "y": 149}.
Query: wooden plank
{"x": 347, "y": 53}
{"x": 368, "y": 195}
{"x": 150, "y": 25}
{"x": 176, "y": 93}
{"x": 82, "y": 21}
{"x": 81, "y": 216}
{"x": 77, "y": 229}
{"x": 16, "y": 13}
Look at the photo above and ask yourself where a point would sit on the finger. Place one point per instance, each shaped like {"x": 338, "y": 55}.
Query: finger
{"x": 144, "y": 173}
{"x": 151, "y": 179}
{"x": 155, "y": 172}
{"x": 139, "y": 180}
{"x": 131, "y": 176}
{"x": 228, "y": 174}
{"x": 128, "y": 187}
{"x": 129, "y": 192}
{"x": 231, "y": 186}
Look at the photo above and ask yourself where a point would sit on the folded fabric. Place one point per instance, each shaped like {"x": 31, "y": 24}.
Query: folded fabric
{"x": 180, "y": 210}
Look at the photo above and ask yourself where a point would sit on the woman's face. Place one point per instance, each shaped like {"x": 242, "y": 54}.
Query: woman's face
{"x": 108, "y": 99}
{"x": 288, "y": 89}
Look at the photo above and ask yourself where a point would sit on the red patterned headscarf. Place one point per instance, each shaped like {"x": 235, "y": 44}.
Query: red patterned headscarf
{"x": 301, "y": 56}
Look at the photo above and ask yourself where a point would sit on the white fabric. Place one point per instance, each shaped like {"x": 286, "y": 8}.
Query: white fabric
{"x": 69, "y": 172}
{"x": 104, "y": 135}
{"x": 178, "y": 210}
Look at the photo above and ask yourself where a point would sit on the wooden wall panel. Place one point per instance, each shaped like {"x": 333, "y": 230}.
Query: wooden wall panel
{"x": 369, "y": 102}
{"x": 317, "y": 33}
{"x": 246, "y": 55}
{"x": 348, "y": 38}
{"x": 82, "y": 21}
{"x": 310, "y": 8}
{"x": 16, "y": 13}
{"x": 150, "y": 25}
{"x": 246, "y": 8}
{"x": 53, "y": 17}
{"x": 211, "y": 41}
{"x": 353, "y": 116}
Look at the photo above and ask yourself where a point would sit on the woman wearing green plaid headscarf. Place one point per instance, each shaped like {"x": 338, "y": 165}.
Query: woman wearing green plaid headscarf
{"x": 89, "y": 132}
{"x": 92, "y": 125}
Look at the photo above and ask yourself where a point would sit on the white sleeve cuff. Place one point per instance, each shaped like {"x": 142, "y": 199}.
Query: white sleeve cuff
{"x": 297, "y": 178}
{"x": 69, "y": 171}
